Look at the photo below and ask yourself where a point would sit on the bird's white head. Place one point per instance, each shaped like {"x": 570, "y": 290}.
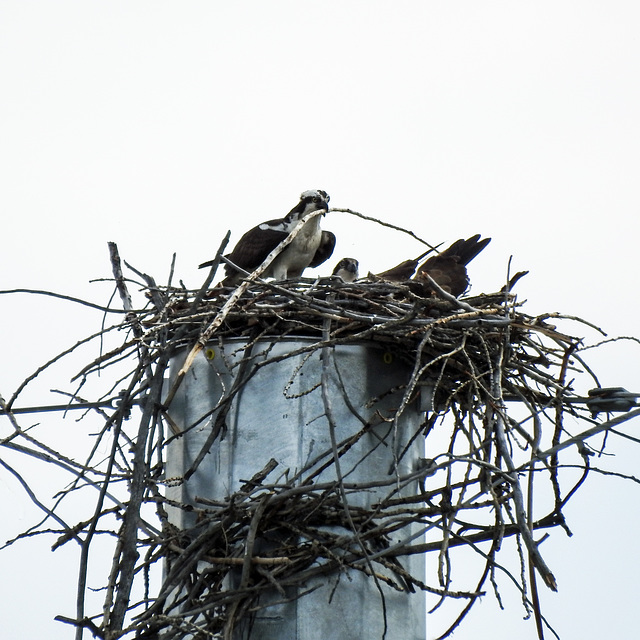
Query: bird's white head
{"x": 310, "y": 201}
{"x": 347, "y": 269}
{"x": 313, "y": 200}
{"x": 315, "y": 194}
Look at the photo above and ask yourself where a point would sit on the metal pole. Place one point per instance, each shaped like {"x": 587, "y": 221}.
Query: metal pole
{"x": 279, "y": 413}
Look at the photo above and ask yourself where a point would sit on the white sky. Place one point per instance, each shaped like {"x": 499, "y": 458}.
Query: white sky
{"x": 161, "y": 125}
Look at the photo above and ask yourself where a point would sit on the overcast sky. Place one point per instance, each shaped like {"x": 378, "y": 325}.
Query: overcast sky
{"x": 161, "y": 125}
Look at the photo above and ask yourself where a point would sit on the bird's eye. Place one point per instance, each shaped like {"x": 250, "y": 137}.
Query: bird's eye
{"x": 317, "y": 198}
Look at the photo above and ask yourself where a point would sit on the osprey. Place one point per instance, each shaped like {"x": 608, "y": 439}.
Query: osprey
{"x": 346, "y": 270}
{"x": 310, "y": 248}
{"x": 403, "y": 271}
{"x": 448, "y": 268}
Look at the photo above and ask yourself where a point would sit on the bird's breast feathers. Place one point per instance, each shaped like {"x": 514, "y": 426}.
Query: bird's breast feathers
{"x": 299, "y": 254}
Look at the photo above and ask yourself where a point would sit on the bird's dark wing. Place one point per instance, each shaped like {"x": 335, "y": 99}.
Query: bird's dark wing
{"x": 447, "y": 272}
{"x": 464, "y": 251}
{"x": 400, "y": 272}
{"x": 448, "y": 268}
{"x": 324, "y": 251}
{"x": 403, "y": 271}
{"x": 254, "y": 247}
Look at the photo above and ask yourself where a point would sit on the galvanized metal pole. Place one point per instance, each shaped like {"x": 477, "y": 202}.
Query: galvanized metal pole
{"x": 279, "y": 413}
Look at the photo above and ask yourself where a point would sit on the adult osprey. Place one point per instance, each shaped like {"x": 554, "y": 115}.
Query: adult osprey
{"x": 448, "y": 268}
{"x": 346, "y": 270}
{"x": 310, "y": 248}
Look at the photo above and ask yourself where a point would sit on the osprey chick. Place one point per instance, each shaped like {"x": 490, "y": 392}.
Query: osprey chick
{"x": 346, "y": 270}
{"x": 448, "y": 268}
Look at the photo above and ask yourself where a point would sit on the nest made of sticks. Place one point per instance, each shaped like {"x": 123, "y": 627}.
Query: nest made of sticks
{"x": 475, "y": 354}
{"x": 454, "y": 343}
{"x": 502, "y": 394}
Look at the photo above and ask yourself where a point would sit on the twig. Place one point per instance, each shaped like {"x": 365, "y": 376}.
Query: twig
{"x": 385, "y": 224}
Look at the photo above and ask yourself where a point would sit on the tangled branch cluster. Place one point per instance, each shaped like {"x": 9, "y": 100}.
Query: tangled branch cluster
{"x": 496, "y": 395}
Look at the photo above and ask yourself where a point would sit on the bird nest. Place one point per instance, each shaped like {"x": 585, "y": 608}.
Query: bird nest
{"x": 473, "y": 356}
{"x": 494, "y": 385}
